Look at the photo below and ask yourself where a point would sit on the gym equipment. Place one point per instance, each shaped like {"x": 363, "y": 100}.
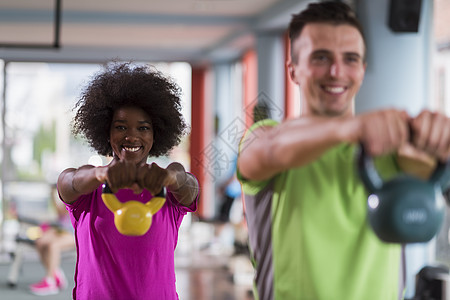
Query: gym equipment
{"x": 433, "y": 282}
{"x": 132, "y": 218}
{"x": 404, "y": 209}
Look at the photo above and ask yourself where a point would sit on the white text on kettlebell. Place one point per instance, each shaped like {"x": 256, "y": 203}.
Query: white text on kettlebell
{"x": 414, "y": 216}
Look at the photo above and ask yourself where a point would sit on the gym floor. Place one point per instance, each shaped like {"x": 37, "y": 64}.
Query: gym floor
{"x": 206, "y": 269}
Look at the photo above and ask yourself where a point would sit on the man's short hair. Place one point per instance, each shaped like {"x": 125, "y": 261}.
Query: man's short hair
{"x": 331, "y": 12}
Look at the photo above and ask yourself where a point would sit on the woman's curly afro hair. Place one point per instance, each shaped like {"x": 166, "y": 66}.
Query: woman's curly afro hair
{"x": 121, "y": 85}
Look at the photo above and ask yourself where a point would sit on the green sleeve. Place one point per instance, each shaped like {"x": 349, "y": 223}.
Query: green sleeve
{"x": 252, "y": 187}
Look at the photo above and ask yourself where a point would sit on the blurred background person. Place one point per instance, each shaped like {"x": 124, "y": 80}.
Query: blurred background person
{"x": 55, "y": 239}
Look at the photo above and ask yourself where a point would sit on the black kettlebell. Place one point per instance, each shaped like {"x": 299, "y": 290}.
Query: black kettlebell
{"x": 404, "y": 209}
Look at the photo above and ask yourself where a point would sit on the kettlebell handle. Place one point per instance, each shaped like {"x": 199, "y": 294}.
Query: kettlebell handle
{"x": 132, "y": 218}
{"x": 373, "y": 181}
{"x": 107, "y": 190}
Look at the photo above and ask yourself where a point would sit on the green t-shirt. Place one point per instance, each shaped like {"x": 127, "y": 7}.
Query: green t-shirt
{"x": 309, "y": 234}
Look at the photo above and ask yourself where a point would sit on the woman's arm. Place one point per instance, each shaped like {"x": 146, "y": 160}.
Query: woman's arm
{"x": 185, "y": 188}
{"x": 181, "y": 184}
{"x": 72, "y": 183}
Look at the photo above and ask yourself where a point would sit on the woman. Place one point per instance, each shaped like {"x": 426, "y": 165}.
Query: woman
{"x": 55, "y": 239}
{"x": 130, "y": 114}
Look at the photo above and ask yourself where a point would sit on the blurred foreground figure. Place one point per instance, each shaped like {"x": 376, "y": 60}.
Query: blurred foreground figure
{"x": 305, "y": 205}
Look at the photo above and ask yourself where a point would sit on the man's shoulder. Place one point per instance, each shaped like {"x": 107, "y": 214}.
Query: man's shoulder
{"x": 264, "y": 123}
{"x": 254, "y": 131}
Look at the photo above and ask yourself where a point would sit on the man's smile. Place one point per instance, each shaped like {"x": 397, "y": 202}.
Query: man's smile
{"x": 334, "y": 89}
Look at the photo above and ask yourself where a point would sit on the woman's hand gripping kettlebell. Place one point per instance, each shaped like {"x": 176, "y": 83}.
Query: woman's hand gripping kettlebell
{"x": 134, "y": 218}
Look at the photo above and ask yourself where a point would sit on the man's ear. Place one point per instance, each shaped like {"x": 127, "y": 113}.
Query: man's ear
{"x": 291, "y": 69}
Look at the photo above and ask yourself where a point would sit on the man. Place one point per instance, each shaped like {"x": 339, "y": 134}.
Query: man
{"x": 305, "y": 204}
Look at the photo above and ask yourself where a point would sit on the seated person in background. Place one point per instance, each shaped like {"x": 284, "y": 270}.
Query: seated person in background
{"x": 54, "y": 240}
{"x": 229, "y": 190}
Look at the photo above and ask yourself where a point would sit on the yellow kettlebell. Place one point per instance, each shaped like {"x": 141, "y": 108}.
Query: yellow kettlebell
{"x": 132, "y": 218}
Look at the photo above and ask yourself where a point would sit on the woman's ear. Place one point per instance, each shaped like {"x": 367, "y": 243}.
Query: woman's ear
{"x": 114, "y": 155}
